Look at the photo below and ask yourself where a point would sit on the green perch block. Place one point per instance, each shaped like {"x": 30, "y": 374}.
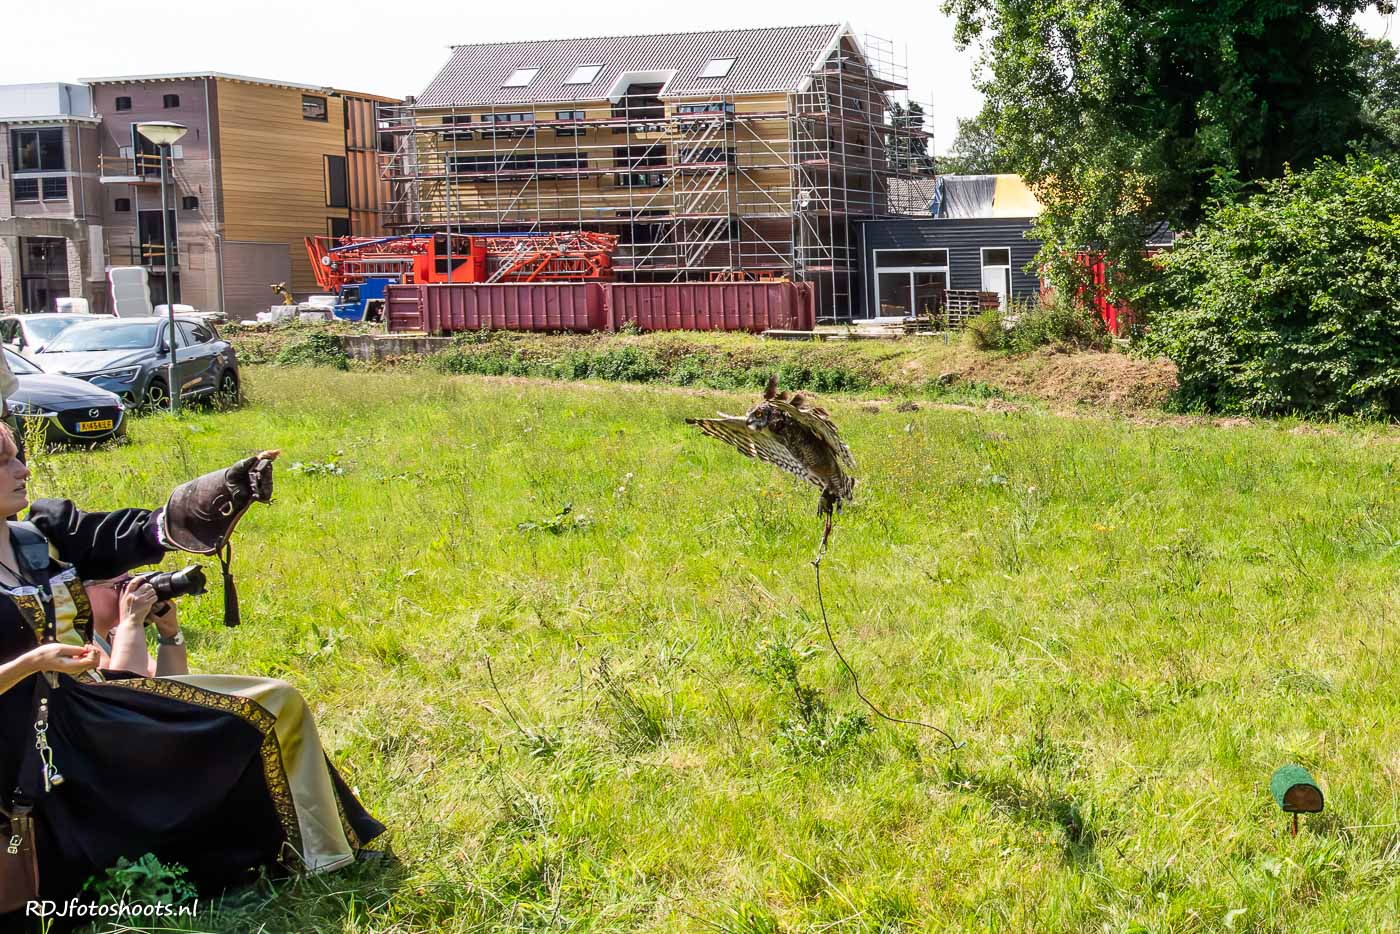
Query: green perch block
{"x": 1295, "y": 791}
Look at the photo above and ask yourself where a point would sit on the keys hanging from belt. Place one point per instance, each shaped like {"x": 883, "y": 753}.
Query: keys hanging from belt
{"x": 52, "y": 777}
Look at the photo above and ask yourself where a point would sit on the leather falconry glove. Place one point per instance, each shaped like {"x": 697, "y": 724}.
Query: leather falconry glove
{"x": 202, "y": 513}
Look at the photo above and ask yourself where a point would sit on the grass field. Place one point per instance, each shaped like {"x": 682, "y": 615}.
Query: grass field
{"x": 1130, "y": 627}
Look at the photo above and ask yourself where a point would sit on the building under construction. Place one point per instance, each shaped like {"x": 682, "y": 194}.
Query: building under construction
{"x": 734, "y": 154}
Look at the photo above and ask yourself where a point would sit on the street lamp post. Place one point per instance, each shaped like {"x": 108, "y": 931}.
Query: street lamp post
{"x": 164, "y": 135}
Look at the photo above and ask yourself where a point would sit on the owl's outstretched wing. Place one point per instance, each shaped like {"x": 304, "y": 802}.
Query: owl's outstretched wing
{"x": 816, "y": 421}
{"x": 760, "y": 444}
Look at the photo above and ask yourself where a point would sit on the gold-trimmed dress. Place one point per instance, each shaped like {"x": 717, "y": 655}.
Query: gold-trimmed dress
{"x": 220, "y": 773}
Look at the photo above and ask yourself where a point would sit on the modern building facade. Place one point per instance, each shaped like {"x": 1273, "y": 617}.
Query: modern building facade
{"x": 51, "y": 241}
{"x": 726, "y": 154}
{"x": 974, "y": 236}
{"x": 262, "y": 165}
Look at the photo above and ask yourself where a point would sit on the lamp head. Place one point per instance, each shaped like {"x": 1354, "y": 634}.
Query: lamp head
{"x": 161, "y": 132}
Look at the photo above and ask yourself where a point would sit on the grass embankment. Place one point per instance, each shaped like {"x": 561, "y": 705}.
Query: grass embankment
{"x": 1129, "y": 626}
{"x": 916, "y": 367}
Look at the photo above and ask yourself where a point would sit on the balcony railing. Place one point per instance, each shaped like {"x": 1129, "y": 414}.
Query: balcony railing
{"x": 151, "y": 255}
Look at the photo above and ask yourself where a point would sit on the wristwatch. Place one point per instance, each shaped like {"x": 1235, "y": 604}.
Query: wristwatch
{"x": 177, "y": 639}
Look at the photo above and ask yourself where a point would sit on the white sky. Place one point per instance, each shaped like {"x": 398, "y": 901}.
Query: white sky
{"x": 396, "y": 46}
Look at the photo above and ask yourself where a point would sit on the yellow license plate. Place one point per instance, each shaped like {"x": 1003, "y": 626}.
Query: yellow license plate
{"x": 99, "y": 425}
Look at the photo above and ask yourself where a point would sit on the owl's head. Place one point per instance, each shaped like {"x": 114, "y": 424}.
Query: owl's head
{"x": 761, "y": 416}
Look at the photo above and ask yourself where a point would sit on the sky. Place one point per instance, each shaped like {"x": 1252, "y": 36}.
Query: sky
{"x": 395, "y": 48}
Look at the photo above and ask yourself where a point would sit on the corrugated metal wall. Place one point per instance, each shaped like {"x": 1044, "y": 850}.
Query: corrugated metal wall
{"x": 728, "y": 306}
{"x": 963, "y": 239}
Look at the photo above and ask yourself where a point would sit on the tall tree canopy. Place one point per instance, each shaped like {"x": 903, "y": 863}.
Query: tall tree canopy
{"x": 1124, "y": 113}
{"x": 977, "y": 149}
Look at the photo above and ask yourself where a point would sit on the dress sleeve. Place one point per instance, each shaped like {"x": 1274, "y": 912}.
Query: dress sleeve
{"x": 99, "y": 544}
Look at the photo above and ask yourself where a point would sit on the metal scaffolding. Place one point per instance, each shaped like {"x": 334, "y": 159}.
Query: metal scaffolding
{"x": 695, "y": 188}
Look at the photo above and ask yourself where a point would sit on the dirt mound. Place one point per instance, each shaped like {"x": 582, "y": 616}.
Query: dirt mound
{"x": 1103, "y": 380}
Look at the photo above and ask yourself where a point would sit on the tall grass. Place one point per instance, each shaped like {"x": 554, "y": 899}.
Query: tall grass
{"x": 1131, "y": 626}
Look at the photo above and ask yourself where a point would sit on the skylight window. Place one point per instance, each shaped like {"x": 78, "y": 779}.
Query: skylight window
{"x": 717, "y": 68}
{"x": 584, "y": 74}
{"x": 520, "y": 78}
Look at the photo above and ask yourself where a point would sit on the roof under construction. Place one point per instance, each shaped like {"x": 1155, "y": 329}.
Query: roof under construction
{"x": 738, "y": 61}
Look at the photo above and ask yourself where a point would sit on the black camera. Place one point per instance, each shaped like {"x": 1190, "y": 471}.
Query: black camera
{"x": 171, "y": 584}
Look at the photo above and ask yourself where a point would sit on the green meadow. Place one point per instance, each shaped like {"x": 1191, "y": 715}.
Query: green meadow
{"x": 569, "y": 650}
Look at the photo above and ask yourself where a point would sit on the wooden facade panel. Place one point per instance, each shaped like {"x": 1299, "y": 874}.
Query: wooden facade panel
{"x": 273, "y": 168}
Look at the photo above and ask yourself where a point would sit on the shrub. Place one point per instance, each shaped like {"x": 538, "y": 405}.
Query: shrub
{"x": 1025, "y": 326}
{"x": 987, "y": 331}
{"x": 1285, "y": 303}
{"x": 314, "y": 350}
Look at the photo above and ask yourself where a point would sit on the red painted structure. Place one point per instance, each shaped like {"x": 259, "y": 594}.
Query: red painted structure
{"x": 568, "y": 256}
{"x": 591, "y": 306}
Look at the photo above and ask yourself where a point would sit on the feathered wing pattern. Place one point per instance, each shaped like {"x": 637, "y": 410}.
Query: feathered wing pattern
{"x": 763, "y": 444}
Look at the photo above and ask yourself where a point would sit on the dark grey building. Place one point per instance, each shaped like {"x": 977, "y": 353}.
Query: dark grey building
{"x": 974, "y": 238}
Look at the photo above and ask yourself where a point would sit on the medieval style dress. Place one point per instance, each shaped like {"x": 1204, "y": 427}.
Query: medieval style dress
{"x": 221, "y": 774}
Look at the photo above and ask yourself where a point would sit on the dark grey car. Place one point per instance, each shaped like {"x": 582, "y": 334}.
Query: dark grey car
{"x": 131, "y": 357}
{"x": 69, "y": 410}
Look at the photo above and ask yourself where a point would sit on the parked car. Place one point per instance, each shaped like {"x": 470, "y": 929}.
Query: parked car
{"x": 131, "y": 357}
{"x": 29, "y": 334}
{"x": 70, "y": 409}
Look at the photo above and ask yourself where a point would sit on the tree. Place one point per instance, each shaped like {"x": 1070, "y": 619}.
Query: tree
{"x": 1285, "y": 302}
{"x": 976, "y": 150}
{"x": 908, "y": 146}
{"x": 1122, "y": 114}
{"x": 1381, "y": 105}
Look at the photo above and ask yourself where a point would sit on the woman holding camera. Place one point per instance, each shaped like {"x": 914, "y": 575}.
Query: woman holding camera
{"x": 220, "y": 774}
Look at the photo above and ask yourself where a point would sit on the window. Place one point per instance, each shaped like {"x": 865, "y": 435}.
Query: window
{"x": 121, "y": 205}
{"x": 37, "y": 150}
{"x": 170, "y": 101}
{"x": 709, "y": 155}
{"x": 123, "y": 103}
{"x": 709, "y": 107}
{"x": 338, "y": 227}
{"x": 189, "y": 203}
{"x": 911, "y": 257}
{"x": 55, "y": 189}
{"x": 192, "y": 333}
{"x": 639, "y": 180}
{"x": 520, "y": 78}
{"x": 910, "y": 282}
{"x": 717, "y": 68}
{"x": 454, "y": 120}
{"x": 639, "y": 103}
{"x": 569, "y": 115}
{"x": 26, "y": 189}
{"x": 563, "y": 160}
{"x": 313, "y": 107}
{"x": 635, "y": 157}
{"x": 464, "y": 163}
{"x": 337, "y": 185}
{"x": 505, "y": 120}
{"x": 583, "y": 74}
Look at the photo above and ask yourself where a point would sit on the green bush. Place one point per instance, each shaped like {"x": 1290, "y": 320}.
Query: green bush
{"x": 1026, "y": 326}
{"x": 1286, "y": 303}
{"x": 314, "y": 350}
{"x": 987, "y": 331}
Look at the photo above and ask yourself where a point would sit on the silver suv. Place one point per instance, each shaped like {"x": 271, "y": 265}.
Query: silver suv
{"x": 131, "y": 357}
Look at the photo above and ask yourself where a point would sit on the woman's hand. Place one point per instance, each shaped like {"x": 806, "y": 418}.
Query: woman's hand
{"x": 135, "y": 604}
{"x": 65, "y": 659}
{"x": 166, "y": 620}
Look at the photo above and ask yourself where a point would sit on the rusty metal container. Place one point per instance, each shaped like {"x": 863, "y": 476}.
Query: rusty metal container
{"x": 712, "y": 306}
{"x": 443, "y": 309}
{"x": 587, "y": 306}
